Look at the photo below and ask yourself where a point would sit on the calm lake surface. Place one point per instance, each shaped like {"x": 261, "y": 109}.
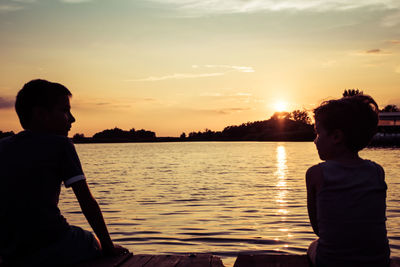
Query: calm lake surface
{"x": 220, "y": 197}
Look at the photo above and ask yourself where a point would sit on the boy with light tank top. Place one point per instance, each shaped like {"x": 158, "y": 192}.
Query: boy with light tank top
{"x": 33, "y": 164}
{"x": 346, "y": 195}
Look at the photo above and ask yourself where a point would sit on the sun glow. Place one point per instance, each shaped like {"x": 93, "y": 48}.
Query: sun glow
{"x": 280, "y": 106}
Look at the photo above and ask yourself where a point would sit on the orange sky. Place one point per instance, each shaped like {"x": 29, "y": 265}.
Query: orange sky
{"x": 178, "y": 66}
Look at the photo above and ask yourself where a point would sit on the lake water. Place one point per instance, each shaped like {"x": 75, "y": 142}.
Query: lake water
{"x": 220, "y": 197}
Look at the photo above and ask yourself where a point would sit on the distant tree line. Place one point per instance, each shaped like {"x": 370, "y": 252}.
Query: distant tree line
{"x": 282, "y": 126}
{"x": 117, "y": 135}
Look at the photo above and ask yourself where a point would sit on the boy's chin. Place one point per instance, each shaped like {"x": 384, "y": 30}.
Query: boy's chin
{"x": 322, "y": 157}
{"x": 62, "y": 133}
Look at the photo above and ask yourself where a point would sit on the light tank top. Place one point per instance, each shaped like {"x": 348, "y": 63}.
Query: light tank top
{"x": 351, "y": 218}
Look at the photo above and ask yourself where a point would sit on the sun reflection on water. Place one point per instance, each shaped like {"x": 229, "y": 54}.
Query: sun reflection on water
{"x": 281, "y": 185}
{"x": 281, "y": 172}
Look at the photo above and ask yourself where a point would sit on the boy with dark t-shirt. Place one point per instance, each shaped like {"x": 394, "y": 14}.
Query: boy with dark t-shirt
{"x": 33, "y": 164}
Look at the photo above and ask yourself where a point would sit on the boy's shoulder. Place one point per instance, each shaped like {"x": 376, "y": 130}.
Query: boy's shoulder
{"x": 314, "y": 170}
{"x": 26, "y": 140}
{"x": 314, "y": 176}
{"x": 5, "y": 140}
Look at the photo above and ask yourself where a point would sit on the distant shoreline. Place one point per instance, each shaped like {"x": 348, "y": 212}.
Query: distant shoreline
{"x": 174, "y": 140}
{"x": 376, "y": 143}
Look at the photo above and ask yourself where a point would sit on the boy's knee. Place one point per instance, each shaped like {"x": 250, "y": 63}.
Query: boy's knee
{"x": 312, "y": 251}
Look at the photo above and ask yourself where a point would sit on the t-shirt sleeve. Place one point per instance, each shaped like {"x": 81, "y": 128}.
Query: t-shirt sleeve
{"x": 71, "y": 170}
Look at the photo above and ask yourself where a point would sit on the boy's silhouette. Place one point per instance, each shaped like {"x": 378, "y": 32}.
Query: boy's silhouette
{"x": 33, "y": 165}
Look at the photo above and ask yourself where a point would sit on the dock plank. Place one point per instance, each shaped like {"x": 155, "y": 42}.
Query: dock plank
{"x": 200, "y": 260}
{"x": 280, "y": 260}
{"x": 144, "y": 260}
{"x": 163, "y": 260}
{"x": 115, "y": 261}
{"x": 138, "y": 261}
{"x": 271, "y": 260}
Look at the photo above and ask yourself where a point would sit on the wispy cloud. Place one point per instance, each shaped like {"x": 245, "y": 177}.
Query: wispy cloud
{"x": 233, "y": 68}
{"x": 14, "y": 5}
{"x": 6, "y": 103}
{"x": 24, "y": 1}
{"x": 9, "y": 7}
{"x": 223, "y": 111}
{"x": 249, "y": 6}
{"x": 328, "y": 63}
{"x": 178, "y": 76}
{"x": 372, "y": 52}
{"x": 75, "y": 1}
{"x": 95, "y": 104}
{"x": 232, "y": 110}
{"x": 237, "y": 95}
{"x": 392, "y": 19}
{"x": 395, "y": 42}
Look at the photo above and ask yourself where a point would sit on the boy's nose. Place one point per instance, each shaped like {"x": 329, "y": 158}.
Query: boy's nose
{"x": 71, "y": 118}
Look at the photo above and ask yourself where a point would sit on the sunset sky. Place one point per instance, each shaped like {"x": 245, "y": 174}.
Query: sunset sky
{"x": 174, "y": 66}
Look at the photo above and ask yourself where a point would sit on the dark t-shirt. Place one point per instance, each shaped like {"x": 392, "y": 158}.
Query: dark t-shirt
{"x": 32, "y": 168}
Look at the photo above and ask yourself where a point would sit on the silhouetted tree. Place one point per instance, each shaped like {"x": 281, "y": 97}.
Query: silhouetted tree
{"x": 183, "y": 136}
{"x": 78, "y": 137}
{"x": 352, "y": 92}
{"x": 280, "y": 115}
{"x": 301, "y": 116}
{"x": 391, "y": 108}
{"x": 117, "y": 134}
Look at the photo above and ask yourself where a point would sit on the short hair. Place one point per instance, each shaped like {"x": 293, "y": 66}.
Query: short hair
{"x": 356, "y": 116}
{"x": 37, "y": 93}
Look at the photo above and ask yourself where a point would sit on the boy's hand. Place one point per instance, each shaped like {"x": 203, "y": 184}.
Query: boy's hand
{"x": 117, "y": 250}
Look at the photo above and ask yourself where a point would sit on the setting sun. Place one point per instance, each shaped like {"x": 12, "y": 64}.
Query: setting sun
{"x": 280, "y": 106}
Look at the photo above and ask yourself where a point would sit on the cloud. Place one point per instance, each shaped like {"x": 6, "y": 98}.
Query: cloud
{"x": 9, "y": 8}
{"x": 243, "y": 94}
{"x": 235, "y": 68}
{"x": 232, "y": 110}
{"x": 328, "y": 63}
{"x": 223, "y": 111}
{"x": 176, "y": 76}
{"x": 392, "y": 20}
{"x": 75, "y": 1}
{"x": 95, "y": 104}
{"x": 6, "y": 103}
{"x": 14, "y": 5}
{"x": 149, "y": 99}
{"x": 237, "y": 95}
{"x": 397, "y": 70}
{"x": 24, "y": 1}
{"x": 251, "y": 6}
{"x": 395, "y": 42}
{"x": 212, "y": 94}
{"x": 375, "y": 51}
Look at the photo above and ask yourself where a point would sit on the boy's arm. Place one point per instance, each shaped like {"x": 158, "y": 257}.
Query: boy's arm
{"x": 314, "y": 183}
{"x": 92, "y": 212}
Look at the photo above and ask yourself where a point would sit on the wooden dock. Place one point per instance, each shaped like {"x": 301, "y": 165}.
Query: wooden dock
{"x": 206, "y": 260}
{"x": 272, "y": 261}
{"x": 268, "y": 260}
{"x": 203, "y": 260}
{"x": 130, "y": 260}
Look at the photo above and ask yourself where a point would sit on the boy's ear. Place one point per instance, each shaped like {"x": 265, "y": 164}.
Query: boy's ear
{"x": 338, "y": 136}
{"x": 39, "y": 115}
